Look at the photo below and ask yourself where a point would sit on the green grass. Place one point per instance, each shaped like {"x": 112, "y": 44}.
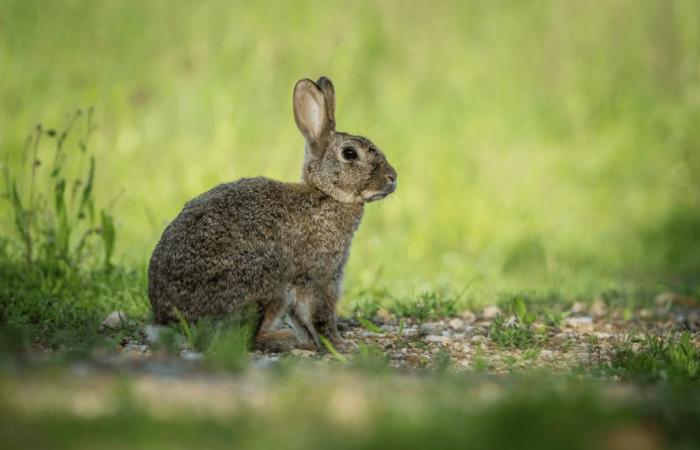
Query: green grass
{"x": 547, "y": 153}
{"x": 540, "y": 146}
{"x": 670, "y": 357}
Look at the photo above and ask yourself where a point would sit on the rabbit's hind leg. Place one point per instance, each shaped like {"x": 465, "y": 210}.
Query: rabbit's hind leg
{"x": 269, "y": 337}
{"x": 300, "y": 313}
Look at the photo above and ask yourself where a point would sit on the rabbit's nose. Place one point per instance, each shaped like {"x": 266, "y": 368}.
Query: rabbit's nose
{"x": 391, "y": 178}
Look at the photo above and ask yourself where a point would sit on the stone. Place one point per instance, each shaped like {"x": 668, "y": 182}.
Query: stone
{"x": 437, "y": 339}
{"x": 578, "y": 308}
{"x": 491, "y": 312}
{"x": 560, "y": 339}
{"x": 666, "y": 299}
{"x": 429, "y": 327}
{"x": 264, "y": 362}
{"x": 467, "y": 316}
{"x": 383, "y": 316}
{"x": 579, "y": 321}
{"x": 302, "y": 353}
{"x": 456, "y": 324}
{"x": 188, "y": 355}
{"x": 478, "y": 338}
{"x": 598, "y": 308}
{"x": 115, "y": 320}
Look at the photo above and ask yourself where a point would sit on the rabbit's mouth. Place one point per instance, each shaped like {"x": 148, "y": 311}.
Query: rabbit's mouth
{"x": 371, "y": 196}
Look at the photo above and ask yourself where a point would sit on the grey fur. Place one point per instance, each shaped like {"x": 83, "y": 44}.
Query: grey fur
{"x": 276, "y": 248}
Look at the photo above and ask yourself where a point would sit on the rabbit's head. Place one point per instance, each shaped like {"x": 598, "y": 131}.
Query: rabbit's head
{"x": 349, "y": 168}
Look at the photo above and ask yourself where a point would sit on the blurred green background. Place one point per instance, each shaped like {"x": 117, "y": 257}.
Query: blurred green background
{"x": 540, "y": 145}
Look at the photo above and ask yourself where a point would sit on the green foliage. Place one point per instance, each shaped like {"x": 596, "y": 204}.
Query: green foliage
{"x": 366, "y": 307}
{"x": 518, "y": 334}
{"x": 64, "y": 308}
{"x": 554, "y": 316}
{"x": 332, "y": 350}
{"x": 521, "y": 312}
{"x": 56, "y": 224}
{"x": 524, "y": 140}
{"x": 425, "y": 306}
{"x": 672, "y": 357}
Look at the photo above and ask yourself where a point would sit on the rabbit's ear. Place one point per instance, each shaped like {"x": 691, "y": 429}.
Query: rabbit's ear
{"x": 329, "y": 94}
{"x": 311, "y": 115}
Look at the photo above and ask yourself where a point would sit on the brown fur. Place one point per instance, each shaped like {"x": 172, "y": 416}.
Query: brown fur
{"x": 277, "y": 248}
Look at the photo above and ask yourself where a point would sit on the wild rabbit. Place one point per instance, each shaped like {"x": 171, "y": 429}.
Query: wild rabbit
{"x": 276, "y": 248}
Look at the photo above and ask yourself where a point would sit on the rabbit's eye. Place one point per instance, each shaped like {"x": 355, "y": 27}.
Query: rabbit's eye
{"x": 349, "y": 153}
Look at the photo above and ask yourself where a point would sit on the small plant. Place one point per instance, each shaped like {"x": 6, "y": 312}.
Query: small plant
{"x": 332, "y": 350}
{"x": 521, "y": 312}
{"x": 53, "y": 208}
{"x": 402, "y": 325}
{"x": 669, "y": 357}
{"x": 366, "y": 307}
{"x": 518, "y": 334}
{"x": 198, "y": 336}
{"x": 554, "y": 317}
{"x": 426, "y": 306}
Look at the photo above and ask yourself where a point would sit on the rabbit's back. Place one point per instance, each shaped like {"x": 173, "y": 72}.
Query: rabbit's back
{"x": 247, "y": 242}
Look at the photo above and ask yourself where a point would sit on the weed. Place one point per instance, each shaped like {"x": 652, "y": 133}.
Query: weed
{"x": 402, "y": 325}
{"x": 332, "y": 350}
{"x": 426, "y": 306}
{"x": 56, "y": 225}
{"x": 519, "y": 333}
{"x": 670, "y": 357}
{"x": 366, "y": 307}
{"x": 57, "y": 280}
{"x": 198, "y": 336}
{"x": 554, "y": 316}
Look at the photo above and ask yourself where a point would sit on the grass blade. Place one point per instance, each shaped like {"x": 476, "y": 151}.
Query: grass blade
{"x": 335, "y": 353}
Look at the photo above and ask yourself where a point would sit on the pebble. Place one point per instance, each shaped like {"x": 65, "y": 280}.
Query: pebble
{"x": 579, "y": 321}
{"x": 478, "y": 338}
{"x": 429, "y": 327}
{"x": 188, "y": 355}
{"x": 598, "y": 308}
{"x": 368, "y": 334}
{"x": 264, "y": 361}
{"x": 467, "y": 316}
{"x": 383, "y": 316}
{"x": 578, "y": 308}
{"x": 456, "y": 324}
{"x": 560, "y": 339}
{"x": 437, "y": 338}
{"x": 115, "y": 320}
{"x": 302, "y": 353}
{"x": 491, "y": 312}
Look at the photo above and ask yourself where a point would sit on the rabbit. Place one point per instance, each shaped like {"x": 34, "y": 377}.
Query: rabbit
{"x": 272, "y": 247}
